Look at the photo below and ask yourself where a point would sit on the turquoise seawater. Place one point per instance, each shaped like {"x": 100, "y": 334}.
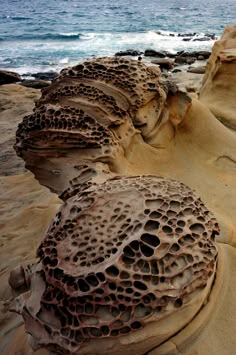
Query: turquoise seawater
{"x": 41, "y": 35}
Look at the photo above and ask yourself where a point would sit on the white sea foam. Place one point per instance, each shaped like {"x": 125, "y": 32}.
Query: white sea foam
{"x": 64, "y": 61}
{"x": 28, "y": 56}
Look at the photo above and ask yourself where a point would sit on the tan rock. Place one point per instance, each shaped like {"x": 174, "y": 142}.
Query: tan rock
{"x": 219, "y": 83}
{"x": 149, "y": 254}
{"x": 186, "y": 79}
{"x": 144, "y": 124}
{"x": 211, "y": 331}
{"x": 169, "y": 135}
{"x": 24, "y": 212}
{"x": 91, "y": 108}
{"x": 15, "y": 102}
{"x": 197, "y": 70}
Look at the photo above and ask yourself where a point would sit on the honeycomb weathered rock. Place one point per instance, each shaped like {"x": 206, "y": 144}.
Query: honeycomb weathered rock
{"x": 117, "y": 256}
{"x": 89, "y": 113}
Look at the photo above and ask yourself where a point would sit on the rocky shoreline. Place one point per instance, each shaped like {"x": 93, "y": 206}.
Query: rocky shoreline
{"x": 200, "y": 152}
{"x": 170, "y": 64}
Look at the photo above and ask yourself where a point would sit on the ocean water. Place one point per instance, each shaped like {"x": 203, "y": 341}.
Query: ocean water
{"x": 42, "y": 35}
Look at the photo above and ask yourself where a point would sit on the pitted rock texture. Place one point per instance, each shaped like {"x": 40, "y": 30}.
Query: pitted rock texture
{"x": 91, "y": 107}
{"x": 117, "y": 256}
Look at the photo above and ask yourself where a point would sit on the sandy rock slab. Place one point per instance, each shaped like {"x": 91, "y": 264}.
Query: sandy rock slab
{"x": 26, "y": 209}
{"x": 15, "y": 102}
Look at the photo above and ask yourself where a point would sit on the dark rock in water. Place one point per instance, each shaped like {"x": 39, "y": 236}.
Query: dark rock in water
{"x": 153, "y": 53}
{"x": 50, "y": 75}
{"x": 190, "y": 60}
{"x": 180, "y": 60}
{"x": 185, "y": 60}
{"x": 193, "y": 37}
{"x": 164, "y": 63}
{"x": 36, "y": 84}
{"x": 201, "y": 39}
{"x": 197, "y": 70}
{"x": 132, "y": 52}
{"x": 205, "y": 54}
{"x": 185, "y": 54}
{"x": 8, "y": 77}
{"x": 211, "y": 36}
{"x": 165, "y": 34}
{"x": 170, "y": 55}
{"x": 176, "y": 70}
{"x": 195, "y": 54}
{"x": 187, "y": 34}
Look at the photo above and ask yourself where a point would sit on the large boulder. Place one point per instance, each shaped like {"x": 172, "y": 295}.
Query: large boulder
{"x": 89, "y": 112}
{"x": 164, "y": 63}
{"x": 154, "y": 53}
{"x": 129, "y": 52}
{"x": 182, "y": 59}
{"x": 115, "y": 116}
{"x": 50, "y": 75}
{"x": 147, "y": 257}
{"x": 219, "y": 83}
{"x": 197, "y": 70}
{"x": 8, "y": 77}
{"x": 36, "y": 84}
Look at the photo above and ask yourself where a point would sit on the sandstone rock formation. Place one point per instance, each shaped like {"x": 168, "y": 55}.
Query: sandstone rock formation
{"x": 15, "y": 103}
{"x": 118, "y": 257}
{"x": 219, "y": 83}
{"x": 26, "y": 208}
{"x": 89, "y": 108}
{"x": 106, "y": 116}
{"x": 131, "y": 263}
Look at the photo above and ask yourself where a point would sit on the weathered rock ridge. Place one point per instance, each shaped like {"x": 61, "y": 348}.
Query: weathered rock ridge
{"x": 219, "y": 84}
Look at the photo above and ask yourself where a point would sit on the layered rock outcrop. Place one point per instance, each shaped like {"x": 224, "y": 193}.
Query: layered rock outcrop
{"x": 219, "y": 83}
{"x": 91, "y": 108}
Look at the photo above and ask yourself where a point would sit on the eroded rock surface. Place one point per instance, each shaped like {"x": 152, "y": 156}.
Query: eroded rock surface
{"x": 115, "y": 116}
{"x": 119, "y": 255}
{"x": 91, "y": 107}
{"x": 219, "y": 83}
{"x": 128, "y": 261}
